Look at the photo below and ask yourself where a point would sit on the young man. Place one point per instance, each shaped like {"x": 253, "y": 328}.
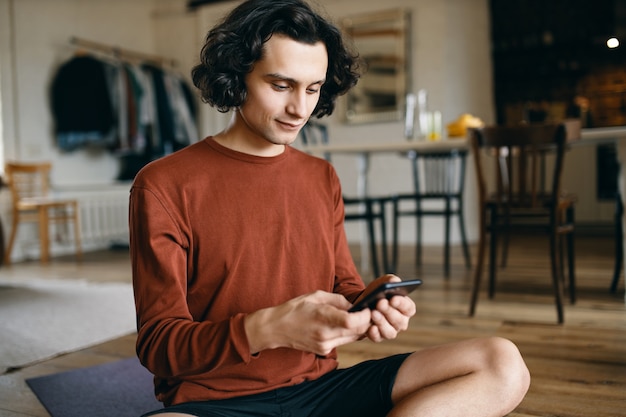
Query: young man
{"x": 241, "y": 268}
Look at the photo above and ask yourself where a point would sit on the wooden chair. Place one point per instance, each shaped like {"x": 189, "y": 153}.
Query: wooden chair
{"x": 437, "y": 177}
{"x": 523, "y": 197}
{"x": 371, "y": 210}
{"x": 33, "y": 203}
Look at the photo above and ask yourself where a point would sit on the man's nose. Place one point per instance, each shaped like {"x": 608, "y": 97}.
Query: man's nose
{"x": 298, "y": 104}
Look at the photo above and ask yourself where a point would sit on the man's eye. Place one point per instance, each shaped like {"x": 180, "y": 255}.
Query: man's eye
{"x": 312, "y": 90}
{"x": 280, "y": 87}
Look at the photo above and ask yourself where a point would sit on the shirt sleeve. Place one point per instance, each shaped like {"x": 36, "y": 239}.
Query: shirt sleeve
{"x": 170, "y": 343}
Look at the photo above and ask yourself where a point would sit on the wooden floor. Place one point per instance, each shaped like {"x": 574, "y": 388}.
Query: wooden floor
{"x": 578, "y": 369}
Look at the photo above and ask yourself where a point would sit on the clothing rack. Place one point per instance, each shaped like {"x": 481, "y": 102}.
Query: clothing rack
{"x": 121, "y": 52}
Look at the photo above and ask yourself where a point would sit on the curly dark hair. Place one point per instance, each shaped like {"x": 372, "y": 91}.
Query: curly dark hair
{"x": 232, "y": 48}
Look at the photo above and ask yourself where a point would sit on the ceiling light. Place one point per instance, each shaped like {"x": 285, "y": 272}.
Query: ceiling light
{"x": 612, "y": 43}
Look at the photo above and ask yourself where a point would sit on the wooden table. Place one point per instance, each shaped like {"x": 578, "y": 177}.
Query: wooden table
{"x": 363, "y": 151}
{"x": 589, "y": 137}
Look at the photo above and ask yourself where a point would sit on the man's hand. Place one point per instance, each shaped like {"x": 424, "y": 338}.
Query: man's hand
{"x": 390, "y": 316}
{"x": 316, "y": 322}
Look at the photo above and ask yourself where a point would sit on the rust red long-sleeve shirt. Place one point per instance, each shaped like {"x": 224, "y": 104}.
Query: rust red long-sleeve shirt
{"x": 216, "y": 234}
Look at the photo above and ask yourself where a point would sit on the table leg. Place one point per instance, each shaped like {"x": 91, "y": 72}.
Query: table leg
{"x": 362, "y": 191}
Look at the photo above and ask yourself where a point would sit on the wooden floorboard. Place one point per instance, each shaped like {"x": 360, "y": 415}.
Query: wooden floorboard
{"x": 578, "y": 368}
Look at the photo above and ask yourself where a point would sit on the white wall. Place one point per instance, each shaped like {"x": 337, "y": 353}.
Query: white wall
{"x": 39, "y": 43}
{"x": 450, "y": 59}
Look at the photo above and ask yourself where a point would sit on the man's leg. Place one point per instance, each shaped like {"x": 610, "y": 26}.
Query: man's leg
{"x": 478, "y": 377}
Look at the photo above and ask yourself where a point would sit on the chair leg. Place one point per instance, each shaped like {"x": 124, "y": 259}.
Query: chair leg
{"x": 9, "y": 248}
{"x": 418, "y": 233}
{"x": 466, "y": 251}
{"x": 570, "y": 267}
{"x": 571, "y": 257}
{"x": 383, "y": 238}
{"x": 446, "y": 247}
{"x": 394, "y": 245}
{"x": 77, "y": 240}
{"x": 418, "y": 208}
{"x": 479, "y": 266}
{"x": 562, "y": 241}
{"x": 44, "y": 235}
{"x": 372, "y": 238}
{"x": 506, "y": 239}
{"x": 493, "y": 251}
{"x": 556, "y": 280}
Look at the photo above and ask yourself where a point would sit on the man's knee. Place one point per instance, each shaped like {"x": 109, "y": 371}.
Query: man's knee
{"x": 505, "y": 361}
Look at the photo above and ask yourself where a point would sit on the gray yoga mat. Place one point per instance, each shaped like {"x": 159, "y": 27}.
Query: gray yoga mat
{"x": 122, "y": 389}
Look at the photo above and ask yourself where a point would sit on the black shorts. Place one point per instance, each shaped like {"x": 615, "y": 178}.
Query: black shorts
{"x": 363, "y": 390}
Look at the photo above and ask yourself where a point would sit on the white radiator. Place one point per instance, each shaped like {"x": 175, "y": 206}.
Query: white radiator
{"x": 103, "y": 222}
{"x": 103, "y": 218}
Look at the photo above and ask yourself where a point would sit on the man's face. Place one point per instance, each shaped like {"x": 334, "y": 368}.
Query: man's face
{"x": 283, "y": 89}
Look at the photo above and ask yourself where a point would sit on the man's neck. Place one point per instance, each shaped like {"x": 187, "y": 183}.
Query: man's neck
{"x": 242, "y": 140}
{"x": 246, "y": 147}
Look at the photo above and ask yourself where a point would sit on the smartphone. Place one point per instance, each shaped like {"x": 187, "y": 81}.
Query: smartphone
{"x": 386, "y": 290}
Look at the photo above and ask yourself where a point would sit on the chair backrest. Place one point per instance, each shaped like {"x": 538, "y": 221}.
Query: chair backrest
{"x": 520, "y": 177}
{"x": 439, "y": 173}
{"x": 28, "y": 180}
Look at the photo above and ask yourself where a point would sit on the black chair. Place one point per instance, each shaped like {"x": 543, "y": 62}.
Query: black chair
{"x": 371, "y": 210}
{"x": 438, "y": 177}
{"x": 520, "y": 198}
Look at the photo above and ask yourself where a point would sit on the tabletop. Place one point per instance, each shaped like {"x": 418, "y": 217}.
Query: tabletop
{"x": 395, "y": 146}
{"x": 588, "y": 136}
{"x": 597, "y": 135}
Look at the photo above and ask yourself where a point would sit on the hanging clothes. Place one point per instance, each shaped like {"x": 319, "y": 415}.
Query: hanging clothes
{"x": 129, "y": 109}
{"x": 185, "y": 131}
{"x": 81, "y": 104}
{"x": 165, "y": 114}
